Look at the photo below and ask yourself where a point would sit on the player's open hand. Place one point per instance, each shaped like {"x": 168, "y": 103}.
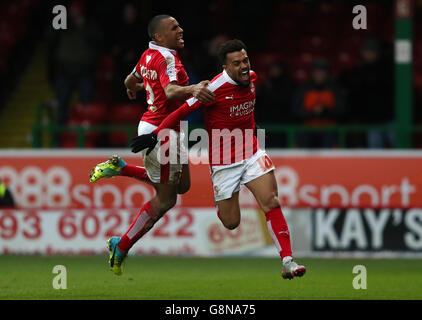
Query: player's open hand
{"x": 144, "y": 141}
{"x": 202, "y": 93}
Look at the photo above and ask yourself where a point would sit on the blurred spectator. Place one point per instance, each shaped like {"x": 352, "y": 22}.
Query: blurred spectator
{"x": 274, "y": 98}
{"x": 319, "y": 102}
{"x": 6, "y": 197}
{"x": 207, "y": 64}
{"x": 201, "y": 63}
{"x": 370, "y": 92}
{"x": 74, "y": 56}
{"x": 126, "y": 48}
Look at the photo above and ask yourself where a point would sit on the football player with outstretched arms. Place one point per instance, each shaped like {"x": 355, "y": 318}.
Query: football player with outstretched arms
{"x": 232, "y": 112}
{"x": 161, "y": 73}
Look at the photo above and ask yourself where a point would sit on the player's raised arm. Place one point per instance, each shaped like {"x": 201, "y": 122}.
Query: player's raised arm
{"x": 149, "y": 140}
{"x": 132, "y": 86}
{"x": 199, "y": 91}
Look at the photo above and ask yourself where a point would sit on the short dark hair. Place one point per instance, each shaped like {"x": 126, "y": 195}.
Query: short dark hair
{"x": 154, "y": 24}
{"x": 228, "y": 47}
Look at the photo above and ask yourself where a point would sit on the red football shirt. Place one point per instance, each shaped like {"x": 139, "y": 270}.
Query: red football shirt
{"x": 229, "y": 119}
{"x": 158, "y": 67}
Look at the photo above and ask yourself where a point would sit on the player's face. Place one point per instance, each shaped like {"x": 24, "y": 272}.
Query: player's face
{"x": 171, "y": 34}
{"x": 238, "y": 66}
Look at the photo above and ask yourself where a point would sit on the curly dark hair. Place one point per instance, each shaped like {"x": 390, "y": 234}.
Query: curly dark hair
{"x": 228, "y": 47}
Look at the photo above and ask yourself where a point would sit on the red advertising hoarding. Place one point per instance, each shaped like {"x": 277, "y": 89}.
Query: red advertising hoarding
{"x": 57, "y": 179}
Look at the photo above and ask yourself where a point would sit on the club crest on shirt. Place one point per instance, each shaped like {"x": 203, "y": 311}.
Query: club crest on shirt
{"x": 152, "y": 108}
{"x": 252, "y": 86}
{"x": 171, "y": 71}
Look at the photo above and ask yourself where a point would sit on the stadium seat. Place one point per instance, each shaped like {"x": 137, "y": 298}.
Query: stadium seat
{"x": 417, "y": 138}
{"x": 343, "y": 60}
{"x": 85, "y": 115}
{"x": 302, "y": 60}
{"x": 315, "y": 45}
{"x": 295, "y": 10}
{"x": 3, "y": 62}
{"x": 70, "y": 140}
{"x": 330, "y": 9}
{"x": 285, "y": 43}
{"x": 376, "y": 11}
{"x": 351, "y": 43}
{"x": 318, "y": 27}
{"x": 89, "y": 113}
{"x": 124, "y": 114}
{"x": 119, "y": 138}
{"x": 417, "y": 53}
{"x": 417, "y": 80}
{"x": 104, "y": 78}
{"x": 300, "y": 75}
{"x": 386, "y": 32}
{"x": 8, "y": 35}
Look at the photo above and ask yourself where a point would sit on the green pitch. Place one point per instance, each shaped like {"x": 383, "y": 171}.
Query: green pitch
{"x": 173, "y": 278}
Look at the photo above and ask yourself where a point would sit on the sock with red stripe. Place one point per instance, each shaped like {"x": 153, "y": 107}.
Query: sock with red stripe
{"x": 143, "y": 222}
{"x": 136, "y": 172}
{"x": 279, "y": 231}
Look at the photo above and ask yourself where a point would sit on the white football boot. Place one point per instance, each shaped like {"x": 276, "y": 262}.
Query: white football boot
{"x": 291, "y": 269}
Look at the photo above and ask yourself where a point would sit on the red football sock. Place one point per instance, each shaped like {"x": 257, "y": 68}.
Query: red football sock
{"x": 279, "y": 231}
{"x": 143, "y": 222}
{"x": 139, "y": 173}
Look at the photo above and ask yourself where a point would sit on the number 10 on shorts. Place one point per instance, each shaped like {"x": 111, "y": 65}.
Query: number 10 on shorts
{"x": 265, "y": 163}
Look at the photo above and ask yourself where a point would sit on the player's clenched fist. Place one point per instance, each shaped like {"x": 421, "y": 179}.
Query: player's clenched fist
{"x": 133, "y": 88}
{"x": 131, "y": 94}
{"x": 202, "y": 93}
{"x": 144, "y": 141}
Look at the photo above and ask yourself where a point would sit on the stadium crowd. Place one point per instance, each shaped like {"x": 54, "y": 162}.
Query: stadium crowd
{"x": 314, "y": 69}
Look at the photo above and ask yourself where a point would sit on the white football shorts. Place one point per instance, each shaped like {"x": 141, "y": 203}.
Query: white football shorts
{"x": 226, "y": 179}
{"x": 167, "y": 171}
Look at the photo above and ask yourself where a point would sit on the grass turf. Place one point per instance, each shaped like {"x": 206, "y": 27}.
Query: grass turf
{"x": 174, "y": 278}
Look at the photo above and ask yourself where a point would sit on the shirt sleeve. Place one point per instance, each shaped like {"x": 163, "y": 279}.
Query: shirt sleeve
{"x": 173, "y": 119}
{"x": 137, "y": 71}
{"x": 254, "y": 76}
{"x": 190, "y": 106}
{"x": 167, "y": 71}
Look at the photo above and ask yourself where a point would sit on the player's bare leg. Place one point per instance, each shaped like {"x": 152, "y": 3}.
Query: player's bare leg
{"x": 164, "y": 199}
{"x": 149, "y": 214}
{"x": 264, "y": 189}
{"x": 229, "y": 211}
{"x": 184, "y": 184}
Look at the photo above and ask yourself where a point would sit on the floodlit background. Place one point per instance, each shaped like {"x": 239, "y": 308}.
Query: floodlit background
{"x": 341, "y": 108}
